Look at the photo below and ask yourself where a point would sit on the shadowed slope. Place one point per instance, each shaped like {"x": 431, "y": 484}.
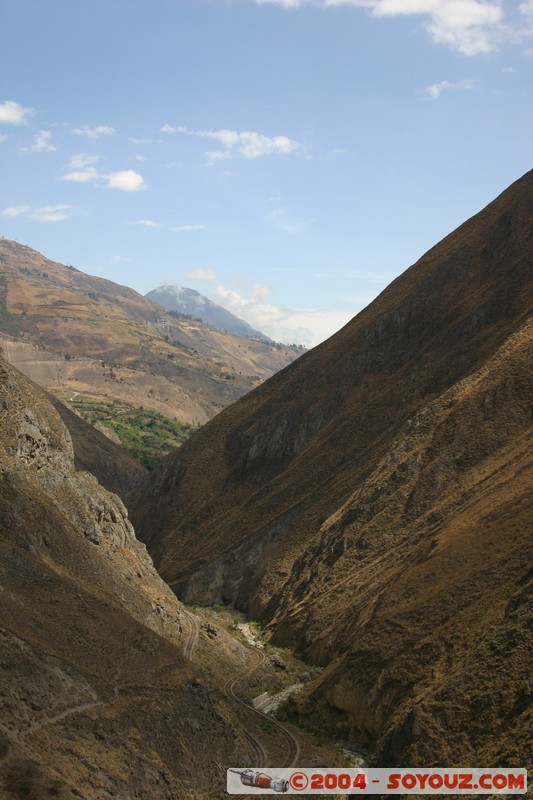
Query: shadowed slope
{"x": 243, "y": 511}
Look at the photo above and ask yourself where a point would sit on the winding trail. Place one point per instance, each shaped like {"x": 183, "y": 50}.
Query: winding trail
{"x": 192, "y": 641}
{"x": 229, "y": 688}
{"x": 37, "y": 726}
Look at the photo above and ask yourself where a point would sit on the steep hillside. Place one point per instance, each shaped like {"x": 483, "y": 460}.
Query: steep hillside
{"x": 77, "y": 334}
{"x": 188, "y": 301}
{"x": 370, "y": 503}
{"x": 97, "y": 453}
{"x": 97, "y": 699}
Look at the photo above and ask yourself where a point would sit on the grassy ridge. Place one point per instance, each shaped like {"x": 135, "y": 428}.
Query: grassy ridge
{"x": 145, "y": 435}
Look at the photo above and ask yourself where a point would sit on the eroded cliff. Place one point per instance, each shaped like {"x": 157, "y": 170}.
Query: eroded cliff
{"x": 97, "y": 699}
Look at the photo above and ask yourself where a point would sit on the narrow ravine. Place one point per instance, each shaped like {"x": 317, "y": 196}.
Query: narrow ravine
{"x": 258, "y": 678}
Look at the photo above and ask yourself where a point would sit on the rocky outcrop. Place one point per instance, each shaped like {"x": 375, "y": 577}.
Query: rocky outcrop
{"x": 97, "y": 697}
{"x": 369, "y": 504}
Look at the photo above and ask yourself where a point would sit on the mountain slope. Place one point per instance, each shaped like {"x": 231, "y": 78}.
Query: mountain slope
{"x": 188, "y": 301}
{"x": 96, "y": 453}
{"x": 78, "y": 334}
{"x": 99, "y": 699}
{"x": 417, "y": 409}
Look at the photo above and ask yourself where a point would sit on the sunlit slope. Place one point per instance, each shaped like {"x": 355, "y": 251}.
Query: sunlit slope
{"x": 73, "y": 332}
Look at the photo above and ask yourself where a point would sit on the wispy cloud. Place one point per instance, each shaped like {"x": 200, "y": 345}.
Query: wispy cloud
{"x": 434, "y": 92}
{"x": 291, "y": 325}
{"x": 41, "y": 143}
{"x": 166, "y": 128}
{"x": 119, "y": 259}
{"x": 139, "y": 140}
{"x": 83, "y": 160}
{"x": 82, "y": 169}
{"x": 146, "y": 223}
{"x": 12, "y": 113}
{"x": 248, "y": 144}
{"x": 202, "y": 275}
{"x": 57, "y": 213}
{"x": 283, "y": 218}
{"x": 94, "y": 133}
{"x": 86, "y": 175}
{"x": 239, "y": 144}
{"x": 187, "y": 228}
{"x": 470, "y": 26}
{"x": 3, "y": 137}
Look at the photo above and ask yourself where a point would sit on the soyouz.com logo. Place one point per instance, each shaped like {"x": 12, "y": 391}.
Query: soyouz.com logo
{"x": 436, "y": 780}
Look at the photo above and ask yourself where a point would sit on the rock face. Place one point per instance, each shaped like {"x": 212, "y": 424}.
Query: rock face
{"x": 96, "y": 694}
{"x": 370, "y": 503}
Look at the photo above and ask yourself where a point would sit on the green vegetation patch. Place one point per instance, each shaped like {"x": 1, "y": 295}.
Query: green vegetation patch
{"x": 145, "y": 435}
{"x": 6, "y": 322}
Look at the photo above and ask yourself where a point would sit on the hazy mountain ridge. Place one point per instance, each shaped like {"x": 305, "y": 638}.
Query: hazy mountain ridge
{"x": 187, "y": 301}
{"x": 72, "y": 332}
{"x": 240, "y": 513}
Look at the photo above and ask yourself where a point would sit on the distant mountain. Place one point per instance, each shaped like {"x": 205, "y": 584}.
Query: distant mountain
{"x": 372, "y": 504}
{"x": 188, "y": 301}
{"x": 88, "y": 339}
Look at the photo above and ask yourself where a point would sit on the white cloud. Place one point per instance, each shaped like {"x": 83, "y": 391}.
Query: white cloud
{"x": 187, "y": 228}
{"x": 41, "y": 143}
{"x": 3, "y": 137}
{"x": 248, "y": 144}
{"x": 433, "y": 92}
{"x": 509, "y": 71}
{"x": 12, "y": 113}
{"x": 217, "y": 155}
{"x": 82, "y": 160}
{"x": 96, "y": 132}
{"x": 139, "y": 158}
{"x": 57, "y": 213}
{"x": 283, "y": 219}
{"x": 139, "y": 141}
{"x": 126, "y": 180}
{"x": 83, "y": 169}
{"x": 291, "y": 325}
{"x": 202, "y": 275}
{"x": 146, "y": 223}
{"x": 87, "y": 175}
{"x": 470, "y": 26}
{"x": 15, "y": 211}
{"x": 119, "y": 259}
{"x": 166, "y": 128}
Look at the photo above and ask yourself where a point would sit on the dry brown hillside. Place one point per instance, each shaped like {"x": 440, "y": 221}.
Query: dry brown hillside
{"x": 371, "y": 504}
{"x": 78, "y": 334}
{"x": 98, "y": 698}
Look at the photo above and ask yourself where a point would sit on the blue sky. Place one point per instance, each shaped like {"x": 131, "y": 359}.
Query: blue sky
{"x": 288, "y": 158}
